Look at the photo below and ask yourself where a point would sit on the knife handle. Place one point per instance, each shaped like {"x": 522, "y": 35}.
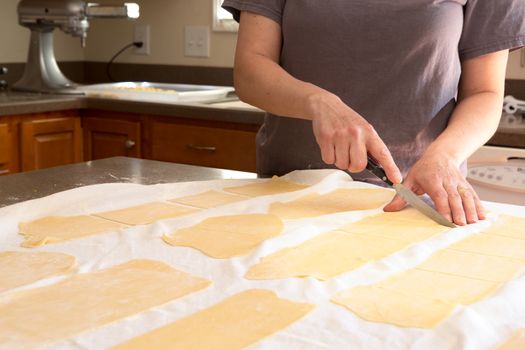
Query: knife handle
{"x": 377, "y": 170}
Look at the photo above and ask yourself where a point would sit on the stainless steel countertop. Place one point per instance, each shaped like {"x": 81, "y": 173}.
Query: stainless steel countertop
{"x": 40, "y": 183}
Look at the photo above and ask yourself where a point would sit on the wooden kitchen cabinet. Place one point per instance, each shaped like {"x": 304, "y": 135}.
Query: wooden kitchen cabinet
{"x": 106, "y": 137}
{"x": 206, "y": 143}
{"x": 8, "y": 147}
{"x": 50, "y": 139}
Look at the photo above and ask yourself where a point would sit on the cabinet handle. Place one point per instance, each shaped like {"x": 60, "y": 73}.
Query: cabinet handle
{"x": 202, "y": 148}
{"x": 129, "y": 144}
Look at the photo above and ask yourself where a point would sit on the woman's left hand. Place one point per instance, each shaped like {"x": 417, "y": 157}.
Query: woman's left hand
{"x": 439, "y": 176}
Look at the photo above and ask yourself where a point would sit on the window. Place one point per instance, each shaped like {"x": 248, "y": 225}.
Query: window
{"x": 222, "y": 19}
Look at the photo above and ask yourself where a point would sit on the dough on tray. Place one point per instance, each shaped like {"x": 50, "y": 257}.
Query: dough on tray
{"x": 208, "y": 199}
{"x": 479, "y": 266}
{"x": 380, "y": 305}
{"x": 53, "y": 229}
{"x": 467, "y": 272}
{"x": 340, "y": 200}
{"x": 21, "y": 268}
{"x": 516, "y": 342}
{"x": 275, "y": 185}
{"x": 227, "y": 236}
{"x": 349, "y": 247}
{"x": 146, "y": 213}
{"x": 234, "y": 323}
{"x": 44, "y": 315}
{"x": 325, "y": 256}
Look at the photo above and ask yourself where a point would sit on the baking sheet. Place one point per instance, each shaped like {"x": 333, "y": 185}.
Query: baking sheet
{"x": 483, "y": 325}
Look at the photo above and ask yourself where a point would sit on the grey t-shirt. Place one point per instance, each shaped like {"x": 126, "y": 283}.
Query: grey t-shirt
{"x": 396, "y": 62}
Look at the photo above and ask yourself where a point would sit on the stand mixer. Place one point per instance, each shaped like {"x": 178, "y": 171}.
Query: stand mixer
{"x": 42, "y": 73}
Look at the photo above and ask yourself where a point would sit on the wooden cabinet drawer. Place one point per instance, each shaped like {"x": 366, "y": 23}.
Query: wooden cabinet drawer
{"x": 51, "y": 142}
{"x": 105, "y": 137}
{"x": 220, "y": 147}
{"x": 5, "y": 146}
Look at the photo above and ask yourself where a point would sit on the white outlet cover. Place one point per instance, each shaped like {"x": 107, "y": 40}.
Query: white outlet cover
{"x": 141, "y": 32}
{"x": 197, "y": 41}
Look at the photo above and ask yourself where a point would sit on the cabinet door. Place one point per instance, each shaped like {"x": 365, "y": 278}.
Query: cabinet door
{"x": 50, "y": 142}
{"x": 8, "y": 149}
{"x": 104, "y": 138}
{"x": 214, "y": 145}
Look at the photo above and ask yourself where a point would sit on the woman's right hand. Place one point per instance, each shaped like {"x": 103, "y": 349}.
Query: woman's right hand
{"x": 345, "y": 138}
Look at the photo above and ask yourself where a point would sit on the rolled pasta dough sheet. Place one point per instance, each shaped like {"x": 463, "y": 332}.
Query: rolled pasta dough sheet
{"x": 21, "y": 268}
{"x": 227, "y": 236}
{"x": 467, "y": 272}
{"x": 340, "y": 200}
{"x": 208, "y": 199}
{"x": 53, "y": 229}
{"x": 376, "y": 304}
{"x": 47, "y": 314}
{"x": 333, "y": 253}
{"x": 234, "y": 323}
{"x": 325, "y": 256}
{"x": 516, "y": 342}
{"x": 275, "y": 185}
{"x": 146, "y": 213}
{"x": 479, "y": 266}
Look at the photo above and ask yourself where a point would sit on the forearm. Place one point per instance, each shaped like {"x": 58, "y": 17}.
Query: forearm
{"x": 261, "y": 82}
{"x": 473, "y": 122}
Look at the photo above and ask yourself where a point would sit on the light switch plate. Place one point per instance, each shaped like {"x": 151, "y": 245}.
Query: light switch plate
{"x": 197, "y": 41}
{"x": 141, "y": 32}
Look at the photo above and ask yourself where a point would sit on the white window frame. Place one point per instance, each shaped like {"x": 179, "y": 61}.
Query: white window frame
{"x": 220, "y": 22}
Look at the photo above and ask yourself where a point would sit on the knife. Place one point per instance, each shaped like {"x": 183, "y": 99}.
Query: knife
{"x": 409, "y": 196}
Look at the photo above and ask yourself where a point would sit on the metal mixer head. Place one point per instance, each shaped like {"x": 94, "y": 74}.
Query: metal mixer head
{"x": 72, "y": 17}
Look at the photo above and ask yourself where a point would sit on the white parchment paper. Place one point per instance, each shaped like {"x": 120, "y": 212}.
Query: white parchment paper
{"x": 483, "y": 325}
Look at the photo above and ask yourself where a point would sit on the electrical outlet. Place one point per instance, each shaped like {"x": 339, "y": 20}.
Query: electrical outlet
{"x": 141, "y": 33}
{"x": 197, "y": 41}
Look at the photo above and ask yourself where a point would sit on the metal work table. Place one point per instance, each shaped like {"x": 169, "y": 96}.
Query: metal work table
{"x": 39, "y": 183}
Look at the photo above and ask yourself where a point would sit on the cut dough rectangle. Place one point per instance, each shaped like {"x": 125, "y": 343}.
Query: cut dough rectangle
{"x": 47, "y": 314}
{"x": 325, "y": 256}
{"x": 508, "y": 226}
{"x": 516, "y": 342}
{"x": 473, "y": 265}
{"x": 340, "y": 200}
{"x": 439, "y": 286}
{"x": 376, "y": 304}
{"x": 21, "y": 268}
{"x": 407, "y": 225}
{"x": 146, "y": 213}
{"x": 234, "y": 323}
{"x": 53, "y": 229}
{"x": 414, "y": 298}
{"x": 227, "y": 236}
{"x": 491, "y": 244}
{"x": 275, "y": 185}
{"x": 208, "y": 199}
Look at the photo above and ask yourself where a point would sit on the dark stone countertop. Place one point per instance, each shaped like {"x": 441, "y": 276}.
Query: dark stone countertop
{"x": 16, "y": 103}
{"x": 39, "y": 183}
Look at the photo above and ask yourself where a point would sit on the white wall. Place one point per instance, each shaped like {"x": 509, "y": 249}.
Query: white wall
{"x": 167, "y": 19}
{"x": 14, "y": 39}
{"x": 514, "y": 69}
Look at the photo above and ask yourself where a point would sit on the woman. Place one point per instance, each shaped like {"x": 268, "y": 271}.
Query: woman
{"x": 417, "y": 84}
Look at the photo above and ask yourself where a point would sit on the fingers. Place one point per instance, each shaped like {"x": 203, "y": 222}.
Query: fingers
{"x": 380, "y": 152}
{"x": 472, "y": 205}
{"x": 455, "y": 202}
{"x": 396, "y": 204}
{"x": 458, "y": 203}
{"x": 358, "y": 157}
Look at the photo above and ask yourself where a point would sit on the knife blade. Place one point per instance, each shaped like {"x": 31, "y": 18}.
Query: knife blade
{"x": 407, "y": 195}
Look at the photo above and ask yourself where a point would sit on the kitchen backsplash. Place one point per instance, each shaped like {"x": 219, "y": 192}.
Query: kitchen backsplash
{"x": 95, "y": 72}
